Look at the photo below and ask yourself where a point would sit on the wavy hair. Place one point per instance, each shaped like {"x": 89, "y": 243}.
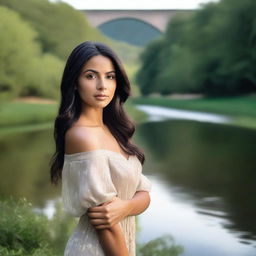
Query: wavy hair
{"x": 114, "y": 116}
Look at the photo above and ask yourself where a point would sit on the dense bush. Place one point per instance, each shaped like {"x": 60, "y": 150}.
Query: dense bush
{"x": 161, "y": 246}
{"x": 210, "y": 51}
{"x": 26, "y": 233}
{"x": 21, "y": 231}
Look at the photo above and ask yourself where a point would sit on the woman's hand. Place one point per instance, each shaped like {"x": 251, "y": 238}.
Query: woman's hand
{"x": 109, "y": 213}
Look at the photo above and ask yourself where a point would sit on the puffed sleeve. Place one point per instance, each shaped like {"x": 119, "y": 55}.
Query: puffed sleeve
{"x": 144, "y": 183}
{"x": 86, "y": 183}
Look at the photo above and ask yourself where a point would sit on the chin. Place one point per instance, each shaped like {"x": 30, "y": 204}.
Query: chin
{"x": 100, "y": 105}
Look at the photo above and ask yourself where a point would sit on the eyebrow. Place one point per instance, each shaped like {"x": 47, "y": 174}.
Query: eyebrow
{"x": 94, "y": 71}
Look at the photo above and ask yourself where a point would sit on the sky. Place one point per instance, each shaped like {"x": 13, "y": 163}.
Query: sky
{"x": 135, "y": 4}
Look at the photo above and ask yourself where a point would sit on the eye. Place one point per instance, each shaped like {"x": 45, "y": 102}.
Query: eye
{"x": 90, "y": 76}
{"x": 111, "y": 76}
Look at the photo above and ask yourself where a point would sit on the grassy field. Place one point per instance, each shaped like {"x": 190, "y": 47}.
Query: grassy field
{"x": 17, "y": 113}
{"x": 242, "y": 109}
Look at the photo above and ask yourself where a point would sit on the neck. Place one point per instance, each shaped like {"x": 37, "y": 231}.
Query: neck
{"x": 92, "y": 117}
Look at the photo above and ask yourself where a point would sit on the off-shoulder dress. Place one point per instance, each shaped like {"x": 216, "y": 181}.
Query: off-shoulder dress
{"x": 94, "y": 177}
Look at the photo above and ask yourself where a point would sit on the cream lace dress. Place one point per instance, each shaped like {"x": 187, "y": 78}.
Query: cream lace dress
{"x": 94, "y": 177}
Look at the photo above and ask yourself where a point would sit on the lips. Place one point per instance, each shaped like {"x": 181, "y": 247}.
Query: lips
{"x": 100, "y": 95}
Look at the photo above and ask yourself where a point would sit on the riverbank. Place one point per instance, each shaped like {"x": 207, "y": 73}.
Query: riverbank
{"x": 241, "y": 109}
{"x": 31, "y": 113}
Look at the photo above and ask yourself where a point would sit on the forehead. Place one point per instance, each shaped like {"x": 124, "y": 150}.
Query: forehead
{"x": 99, "y": 63}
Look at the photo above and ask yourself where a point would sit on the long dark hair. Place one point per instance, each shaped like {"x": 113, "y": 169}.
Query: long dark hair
{"x": 114, "y": 115}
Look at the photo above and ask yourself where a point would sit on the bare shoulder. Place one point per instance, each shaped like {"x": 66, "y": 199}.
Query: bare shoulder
{"x": 80, "y": 139}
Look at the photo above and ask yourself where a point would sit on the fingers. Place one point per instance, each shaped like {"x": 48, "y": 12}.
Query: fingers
{"x": 102, "y": 226}
{"x": 97, "y": 219}
{"x": 96, "y": 222}
{"x": 98, "y": 212}
{"x": 105, "y": 215}
{"x": 96, "y": 215}
{"x": 101, "y": 223}
{"x": 97, "y": 209}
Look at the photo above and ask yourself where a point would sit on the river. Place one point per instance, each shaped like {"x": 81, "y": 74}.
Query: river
{"x": 203, "y": 176}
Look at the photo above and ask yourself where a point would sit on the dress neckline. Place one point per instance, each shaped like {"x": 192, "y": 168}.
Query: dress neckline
{"x": 95, "y": 151}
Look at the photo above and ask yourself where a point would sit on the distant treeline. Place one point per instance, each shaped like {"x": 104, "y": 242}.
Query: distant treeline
{"x": 210, "y": 51}
{"x": 36, "y": 38}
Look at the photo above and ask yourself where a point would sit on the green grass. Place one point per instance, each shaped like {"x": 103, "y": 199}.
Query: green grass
{"x": 25, "y": 128}
{"x": 23, "y": 117}
{"x": 19, "y": 113}
{"x": 242, "y": 109}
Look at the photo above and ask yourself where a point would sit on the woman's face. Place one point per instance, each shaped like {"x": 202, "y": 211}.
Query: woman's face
{"x": 97, "y": 77}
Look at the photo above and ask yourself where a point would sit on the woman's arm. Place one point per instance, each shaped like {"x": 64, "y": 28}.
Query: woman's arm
{"x": 110, "y": 213}
{"x": 138, "y": 204}
{"x": 110, "y": 236}
{"x": 105, "y": 218}
{"x": 112, "y": 241}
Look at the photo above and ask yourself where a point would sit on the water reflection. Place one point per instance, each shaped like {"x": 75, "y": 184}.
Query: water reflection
{"x": 175, "y": 212}
{"x": 203, "y": 182}
{"x": 211, "y": 169}
{"x": 24, "y": 162}
{"x": 159, "y": 113}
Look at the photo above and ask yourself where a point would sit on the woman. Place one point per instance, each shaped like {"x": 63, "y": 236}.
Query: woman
{"x": 100, "y": 167}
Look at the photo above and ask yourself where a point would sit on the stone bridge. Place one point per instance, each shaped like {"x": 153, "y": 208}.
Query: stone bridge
{"x": 156, "y": 18}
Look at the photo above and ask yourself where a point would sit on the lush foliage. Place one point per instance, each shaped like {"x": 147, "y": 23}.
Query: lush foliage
{"x": 25, "y": 233}
{"x": 161, "y": 246}
{"x": 36, "y": 38}
{"x": 59, "y": 26}
{"x": 24, "y": 69}
{"x": 211, "y": 51}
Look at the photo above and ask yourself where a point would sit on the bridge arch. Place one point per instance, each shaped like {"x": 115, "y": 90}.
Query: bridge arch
{"x": 157, "y": 18}
{"x": 132, "y": 30}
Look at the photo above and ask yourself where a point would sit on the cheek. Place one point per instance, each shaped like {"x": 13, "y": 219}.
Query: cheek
{"x": 114, "y": 87}
{"x": 112, "y": 92}
{"x": 83, "y": 83}
{"x": 84, "y": 90}
{"x": 85, "y": 87}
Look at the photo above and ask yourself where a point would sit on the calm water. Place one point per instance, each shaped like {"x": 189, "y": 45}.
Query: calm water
{"x": 203, "y": 179}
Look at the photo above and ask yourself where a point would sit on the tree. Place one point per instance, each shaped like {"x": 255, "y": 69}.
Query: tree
{"x": 18, "y": 51}
{"x": 212, "y": 51}
{"x": 24, "y": 70}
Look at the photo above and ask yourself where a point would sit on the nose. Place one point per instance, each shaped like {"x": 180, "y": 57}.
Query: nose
{"x": 101, "y": 83}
